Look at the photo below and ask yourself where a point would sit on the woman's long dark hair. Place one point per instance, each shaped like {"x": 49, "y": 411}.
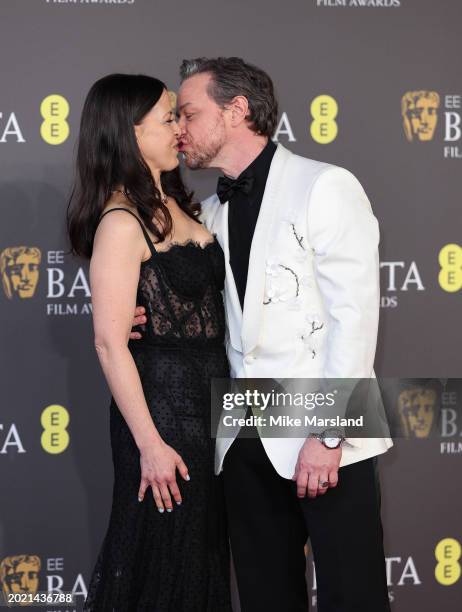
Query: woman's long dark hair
{"x": 108, "y": 156}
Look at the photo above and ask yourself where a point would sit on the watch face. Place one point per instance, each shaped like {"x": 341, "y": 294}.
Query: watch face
{"x": 332, "y": 442}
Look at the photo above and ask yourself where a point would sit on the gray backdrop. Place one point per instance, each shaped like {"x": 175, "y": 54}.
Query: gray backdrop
{"x": 368, "y": 56}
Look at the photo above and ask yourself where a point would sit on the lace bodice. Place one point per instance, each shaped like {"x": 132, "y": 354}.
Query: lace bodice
{"x": 181, "y": 290}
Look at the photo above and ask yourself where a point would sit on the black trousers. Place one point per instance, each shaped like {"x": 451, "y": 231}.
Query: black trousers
{"x": 269, "y": 527}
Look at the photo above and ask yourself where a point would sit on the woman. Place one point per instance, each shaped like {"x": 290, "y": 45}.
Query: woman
{"x": 132, "y": 215}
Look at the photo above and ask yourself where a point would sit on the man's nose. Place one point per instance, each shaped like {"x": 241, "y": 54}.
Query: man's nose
{"x": 181, "y": 124}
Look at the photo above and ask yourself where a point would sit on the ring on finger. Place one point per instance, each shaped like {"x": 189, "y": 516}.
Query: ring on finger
{"x": 323, "y": 485}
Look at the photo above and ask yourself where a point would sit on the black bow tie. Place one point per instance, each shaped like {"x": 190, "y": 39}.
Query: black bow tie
{"x": 227, "y": 187}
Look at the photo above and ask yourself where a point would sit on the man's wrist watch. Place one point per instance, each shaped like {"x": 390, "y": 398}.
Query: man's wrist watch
{"x": 330, "y": 438}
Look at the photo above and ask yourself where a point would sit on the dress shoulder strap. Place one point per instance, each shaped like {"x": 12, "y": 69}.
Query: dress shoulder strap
{"x": 143, "y": 228}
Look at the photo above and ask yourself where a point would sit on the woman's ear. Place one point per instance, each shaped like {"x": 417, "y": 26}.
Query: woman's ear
{"x": 138, "y": 132}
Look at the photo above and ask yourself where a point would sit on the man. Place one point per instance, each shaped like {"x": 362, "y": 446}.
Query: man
{"x": 302, "y": 301}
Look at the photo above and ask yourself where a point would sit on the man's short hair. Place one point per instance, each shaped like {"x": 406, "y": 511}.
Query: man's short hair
{"x": 231, "y": 77}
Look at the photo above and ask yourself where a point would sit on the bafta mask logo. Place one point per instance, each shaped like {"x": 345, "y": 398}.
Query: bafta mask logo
{"x": 420, "y": 114}
{"x": 417, "y": 411}
{"x": 172, "y": 95}
{"x": 19, "y": 267}
{"x": 20, "y": 574}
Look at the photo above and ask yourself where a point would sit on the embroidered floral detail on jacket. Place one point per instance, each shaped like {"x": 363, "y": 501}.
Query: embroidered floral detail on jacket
{"x": 295, "y": 275}
{"x": 298, "y": 238}
{"x": 314, "y": 321}
{"x": 306, "y": 335}
{"x": 274, "y": 292}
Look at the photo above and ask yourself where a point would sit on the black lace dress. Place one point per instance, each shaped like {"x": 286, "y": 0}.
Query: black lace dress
{"x": 178, "y": 561}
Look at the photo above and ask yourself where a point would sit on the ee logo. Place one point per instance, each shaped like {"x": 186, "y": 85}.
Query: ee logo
{"x": 324, "y": 110}
{"x": 447, "y": 553}
{"x": 450, "y": 260}
{"x": 54, "y": 128}
{"x": 54, "y": 420}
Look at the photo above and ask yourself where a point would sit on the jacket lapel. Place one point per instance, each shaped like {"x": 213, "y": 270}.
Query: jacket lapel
{"x": 219, "y": 227}
{"x": 253, "y": 301}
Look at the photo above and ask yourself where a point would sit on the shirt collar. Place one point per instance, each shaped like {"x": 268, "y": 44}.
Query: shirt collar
{"x": 260, "y": 166}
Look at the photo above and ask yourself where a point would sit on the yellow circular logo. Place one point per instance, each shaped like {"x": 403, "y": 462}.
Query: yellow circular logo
{"x": 172, "y": 95}
{"x": 54, "y": 420}
{"x": 324, "y": 110}
{"x": 447, "y": 553}
{"x": 54, "y": 110}
{"x": 450, "y": 260}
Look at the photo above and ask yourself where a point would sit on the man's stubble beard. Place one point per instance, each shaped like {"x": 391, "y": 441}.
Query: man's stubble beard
{"x": 204, "y": 153}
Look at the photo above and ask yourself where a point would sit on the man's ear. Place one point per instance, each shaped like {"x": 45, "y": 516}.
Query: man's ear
{"x": 239, "y": 107}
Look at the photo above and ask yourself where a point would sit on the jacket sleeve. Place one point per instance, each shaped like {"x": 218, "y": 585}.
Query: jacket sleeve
{"x": 344, "y": 235}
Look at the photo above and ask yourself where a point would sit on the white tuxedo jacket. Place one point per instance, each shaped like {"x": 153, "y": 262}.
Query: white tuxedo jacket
{"x": 313, "y": 259}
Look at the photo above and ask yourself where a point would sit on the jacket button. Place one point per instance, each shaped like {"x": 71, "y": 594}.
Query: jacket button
{"x": 249, "y": 358}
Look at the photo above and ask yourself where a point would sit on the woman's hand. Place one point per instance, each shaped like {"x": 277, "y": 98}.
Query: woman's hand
{"x": 159, "y": 463}
{"x": 139, "y": 318}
